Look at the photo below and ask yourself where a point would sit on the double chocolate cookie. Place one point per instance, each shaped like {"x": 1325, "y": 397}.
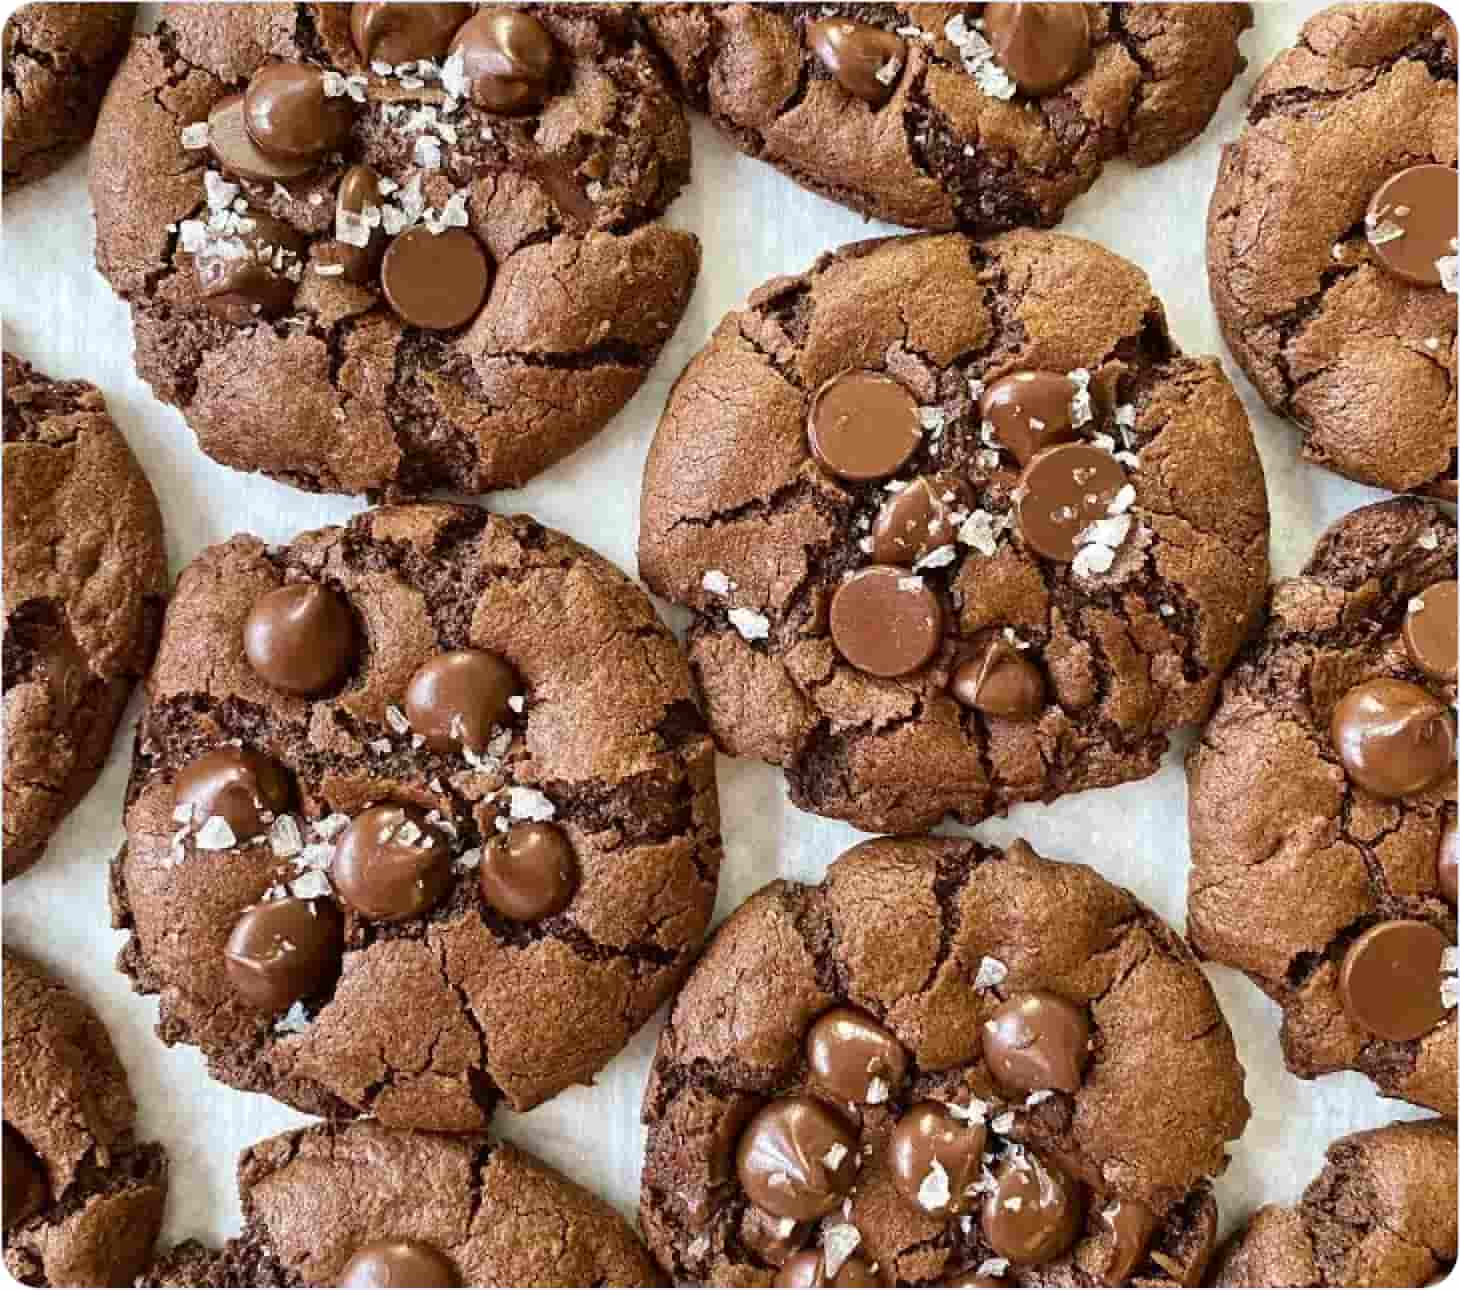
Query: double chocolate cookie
{"x": 1382, "y": 1213}
{"x": 1331, "y": 243}
{"x": 383, "y": 248}
{"x": 422, "y": 816}
{"x": 941, "y": 1066}
{"x": 973, "y": 116}
{"x": 960, "y": 526}
{"x": 363, "y": 1205}
{"x": 1322, "y": 807}
{"x": 58, "y": 59}
{"x": 85, "y": 577}
{"x": 83, "y": 1201}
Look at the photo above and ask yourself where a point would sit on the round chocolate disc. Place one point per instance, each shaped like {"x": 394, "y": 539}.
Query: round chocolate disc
{"x": 282, "y": 951}
{"x": 1393, "y": 738}
{"x": 397, "y": 33}
{"x": 1044, "y": 1217}
{"x": 390, "y": 864}
{"x": 457, "y": 699}
{"x": 288, "y": 114}
{"x": 917, "y": 519}
{"x": 436, "y": 280}
{"x": 508, "y": 59}
{"x": 238, "y": 785}
{"x": 863, "y": 425}
{"x": 1413, "y": 220}
{"x": 1041, "y": 46}
{"x": 1030, "y": 411}
{"x": 808, "y": 1268}
{"x": 1447, "y": 862}
{"x": 1390, "y": 979}
{"x": 1430, "y": 631}
{"x": 300, "y": 638}
{"x": 239, "y": 288}
{"x": 398, "y": 1263}
{"x": 864, "y": 60}
{"x": 885, "y": 621}
{"x": 23, "y": 1188}
{"x": 853, "y": 1058}
{"x": 1131, "y": 1226}
{"x": 1037, "y": 1041}
{"x": 1062, "y": 491}
{"x": 238, "y": 155}
{"x": 529, "y": 872}
{"x": 786, "y": 1154}
{"x": 1000, "y": 682}
{"x": 935, "y": 1159}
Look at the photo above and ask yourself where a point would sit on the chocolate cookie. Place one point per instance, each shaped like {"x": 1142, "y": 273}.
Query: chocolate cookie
{"x": 1331, "y": 243}
{"x": 943, "y": 1065}
{"x": 83, "y": 1201}
{"x": 982, "y": 117}
{"x": 363, "y": 1205}
{"x": 85, "y": 576}
{"x": 1382, "y": 1213}
{"x": 1322, "y": 807}
{"x": 960, "y": 526}
{"x": 381, "y": 248}
{"x": 58, "y": 60}
{"x": 422, "y": 816}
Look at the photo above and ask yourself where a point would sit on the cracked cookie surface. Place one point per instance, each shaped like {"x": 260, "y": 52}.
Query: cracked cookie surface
{"x": 438, "y": 1012}
{"x": 84, "y": 588}
{"x": 742, "y": 524}
{"x": 940, "y": 152}
{"x": 83, "y": 1200}
{"x": 1361, "y": 360}
{"x": 1382, "y": 1213}
{"x": 1292, "y": 862}
{"x": 337, "y": 394}
{"x": 928, "y": 939}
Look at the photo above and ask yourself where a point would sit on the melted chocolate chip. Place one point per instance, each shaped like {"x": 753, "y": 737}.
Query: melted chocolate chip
{"x": 405, "y": 33}
{"x": 457, "y": 699}
{"x": 238, "y": 155}
{"x": 809, "y": 1269}
{"x": 1447, "y": 862}
{"x": 1390, "y": 979}
{"x": 885, "y": 621}
{"x": 917, "y": 519}
{"x": 1062, "y": 491}
{"x": 300, "y": 638}
{"x": 853, "y": 1058}
{"x": 1045, "y": 1217}
{"x": 236, "y": 784}
{"x": 398, "y": 1263}
{"x": 282, "y": 951}
{"x": 786, "y": 1154}
{"x": 1000, "y": 682}
{"x": 529, "y": 872}
{"x": 863, "y": 425}
{"x": 390, "y": 864}
{"x": 1130, "y": 1225}
{"x": 287, "y": 113}
{"x": 508, "y": 58}
{"x": 1412, "y": 222}
{"x": 1037, "y": 1041}
{"x": 974, "y": 1280}
{"x": 865, "y": 60}
{"x": 1030, "y": 411}
{"x": 257, "y": 283}
{"x": 1041, "y": 46}
{"x": 359, "y": 191}
{"x": 23, "y": 1186}
{"x": 1430, "y": 631}
{"x": 436, "y": 280}
{"x": 1393, "y": 738}
{"x": 935, "y": 1159}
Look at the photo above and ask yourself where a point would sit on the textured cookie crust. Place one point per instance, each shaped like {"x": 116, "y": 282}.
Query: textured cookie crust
{"x": 66, "y": 1094}
{"x": 1131, "y": 654}
{"x": 1382, "y": 1213}
{"x": 940, "y": 153}
{"x": 1289, "y": 860}
{"x": 339, "y": 395}
{"x": 58, "y": 60}
{"x": 899, "y": 928}
{"x": 314, "y": 1196}
{"x": 1363, "y": 362}
{"x": 85, "y": 576}
{"x": 434, "y": 1019}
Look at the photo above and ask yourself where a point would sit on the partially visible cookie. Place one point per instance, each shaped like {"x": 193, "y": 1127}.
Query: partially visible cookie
{"x": 1382, "y": 1213}
{"x": 981, "y": 117}
{"x": 1322, "y": 807}
{"x": 363, "y": 1205}
{"x": 1331, "y": 243}
{"x": 83, "y": 1200}
{"x": 943, "y": 1063}
{"x": 85, "y": 576}
{"x": 59, "y": 59}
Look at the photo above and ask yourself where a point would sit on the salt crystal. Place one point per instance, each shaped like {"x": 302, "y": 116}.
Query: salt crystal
{"x": 934, "y": 1193}
{"x": 751, "y": 625}
{"x": 717, "y": 583}
{"x": 529, "y": 804}
{"x": 990, "y": 973}
{"x": 293, "y": 1021}
{"x": 838, "y": 1243}
{"x": 215, "y": 835}
{"x": 834, "y": 1156}
{"x": 196, "y": 135}
{"x": 937, "y": 558}
{"x": 285, "y": 839}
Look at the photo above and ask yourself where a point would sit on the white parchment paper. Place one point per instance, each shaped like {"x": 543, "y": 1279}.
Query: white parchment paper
{"x": 61, "y": 315}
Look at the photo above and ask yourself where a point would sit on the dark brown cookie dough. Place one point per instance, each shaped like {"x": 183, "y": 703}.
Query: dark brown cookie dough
{"x": 948, "y": 143}
{"x": 1361, "y": 359}
{"x": 83, "y": 1201}
{"x": 85, "y": 576}
{"x": 58, "y": 60}
{"x": 326, "y": 387}
{"x": 929, "y": 940}
{"x": 485, "y": 1212}
{"x": 1382, "y": 1213}
{"x": 745, "y": 522}
{"x": 1294, "y": 863}
{"x": 444, "y": 1003}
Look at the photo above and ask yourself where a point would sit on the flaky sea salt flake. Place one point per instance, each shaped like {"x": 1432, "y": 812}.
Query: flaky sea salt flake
{"x": 991, "y": 972}
{"x": 934, "y": 1192}
{"x": 215, "y": 835}
{"x": 751, "y": 625}
{"x": 838, "y": 1243}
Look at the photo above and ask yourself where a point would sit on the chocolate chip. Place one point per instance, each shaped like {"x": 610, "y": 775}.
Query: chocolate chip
{"x": 287, "y": 113}
{"x": 232, "y": 148}
{"x": 885, "y": 621}
{"x": 1030, "y": 411}
{"x": 935, "y": 1159}
{"x": 865, "y": 60}
{"x": 1000, "y": 682}
{"x": 1393, "y": 738}
{"x": 1130, "y": 1225}
{"x": 390, "y": 864}
{"x": 236, "y": 784}
{"x": 23, "y": 1188}
{"x": 282, "y": 951}
{"x": 457, "y": 699}
{"x": 1062, "y": 491}
{"x": 398, "y": 1263}
{"x": 1447, "y": 862}
{"x": 809, "y": 1269}
{"x": 1390, "y": 979}
{"x": 797, "y": 1158}
{"x": 1430, "y": 631}
{"x": 853, "y": 1058}
{"x": 917, "y": 519}
{"x": 1037, "y": 1041}
{"x": 1045, "y": 1216}
{"x": 529, "y": 872}
{"x": 508, "y": 58}
{"x": 436, "y": 280}
{"x": 974, "y": 1280}
{"x": 1412, "y": 222}
{"x": 405, "y": 33}
{"x": 300, "y": 638}
{"x": 1041, "y": 46}
{"x": 863, "y": 425}
{"x": 255, "y": 284}
{"x": 358, "y": 192}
